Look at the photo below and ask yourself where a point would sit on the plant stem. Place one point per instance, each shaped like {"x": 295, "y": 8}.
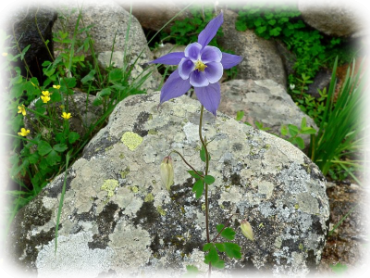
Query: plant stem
{"x": 183, "y": 159}
{"x": 205, "y": 184}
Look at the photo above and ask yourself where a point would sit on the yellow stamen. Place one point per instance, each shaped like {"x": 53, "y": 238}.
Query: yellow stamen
{"x": 200, "y": 66}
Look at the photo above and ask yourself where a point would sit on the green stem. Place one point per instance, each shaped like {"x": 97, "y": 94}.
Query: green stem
{"x": 205, "y": 184}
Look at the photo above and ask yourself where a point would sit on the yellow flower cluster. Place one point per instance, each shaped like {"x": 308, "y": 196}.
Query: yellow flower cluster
{"x": 56, "y": 87}
{"x": 22, "y": 109}
{"x": 45, "y": 96}
{"x": 24, "y": 132}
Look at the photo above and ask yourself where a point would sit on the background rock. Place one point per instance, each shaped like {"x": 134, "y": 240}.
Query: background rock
{"x": 154, "y": 15}
{"x": 115, "y": 207}
{"x": 331, "y": 17}
{"x": 264, "y": 101}
{"x": 27, "y": 33}
{"x": 260, "y": 57}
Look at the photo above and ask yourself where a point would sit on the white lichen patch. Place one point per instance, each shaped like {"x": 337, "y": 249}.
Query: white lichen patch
{"x": 265, "y": 189}
{"x": 131, "y": 140}
{"x": 131, "y": 246}
{"x": 109, "y": 186}
{"x": 73, "y": 258}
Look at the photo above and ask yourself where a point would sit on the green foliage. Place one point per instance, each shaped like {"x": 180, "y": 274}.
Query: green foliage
{"x": 339, "y": 268}
{"x": 340, "y": 136}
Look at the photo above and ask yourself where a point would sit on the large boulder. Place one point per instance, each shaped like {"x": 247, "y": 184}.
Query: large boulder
{"x": 331, "y": 17}
{"x": 117, "y": 217}
{"x": 261, "y": 59}
{"x": 264, "y": 101}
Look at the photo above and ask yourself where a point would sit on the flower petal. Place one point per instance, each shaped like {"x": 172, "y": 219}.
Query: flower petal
{"x": 192, "y": 51}
{"x": 228, "y": 60}
{"x": 214, "y": 71}
{"x": 210, "y": 54}
{"x": 186, "y": 66}
{"x": 175, "y": 86}
{"x": 173, "y": 58}
{"x": 209, "y": 96}
{"x": 198, "y": 79}
{"x": 211, "y": 29}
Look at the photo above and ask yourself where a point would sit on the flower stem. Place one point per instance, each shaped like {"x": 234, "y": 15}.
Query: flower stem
{"x": 205, "y": 184}
{"x": 187, "y": 163}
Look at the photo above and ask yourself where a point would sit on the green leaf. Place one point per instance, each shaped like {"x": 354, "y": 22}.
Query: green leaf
{"x": 212, "y": 256}
{"x": 239, "y": 115}
{"x": 232, "y": 250}
{"x": 209, "y": 179}
{"x": 220, "y": 247}
{"x": 219, "y": 227}
{"x": 191, "y": 269}
{"x": 339, "y": 268}
{"x": 89, "y": 77}
{"x": 71, "y": 82}
{"x": 293, "y": 130}
{"x": 194, "y": 174}
{"x": 228, "y": 233}
{"x": 308, "y": 130}
{"x": 60, "y": 148}
{"x": 284, "y": 130}
{"x": 198, "y": 188}
{"x": 44, "y": 148}
{"x": 33, "y": 158}
{"x": 203, "y": 155}
{"x": 303, "y": 123}
{"x": 115, "y": 75}
{"x": 299, "y": 141}
{"x": 73, "y": 137}
{"x": 219, "y": 264}
{"x": 275, "y": 32}
{"x": 104, "y": 93}
{"x": 53, "y": 158}
{"x": 207, "y": 246}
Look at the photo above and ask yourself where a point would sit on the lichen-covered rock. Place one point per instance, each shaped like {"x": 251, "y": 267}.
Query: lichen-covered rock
{"x": 264, "y": 101}
{"x": 261, "y": 59}
{"x": 117, "y": 218}
{"x": 331, "y": 17}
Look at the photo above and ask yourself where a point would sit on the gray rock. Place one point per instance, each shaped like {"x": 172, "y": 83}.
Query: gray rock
{"x": 118, "y": 218}
{"x": 330, "y": 17}
{"x": 154, "y": 15}
{"x": 264, "y": 101}
{"x": 261, "y": 59}
{"x": 26, "y": 32}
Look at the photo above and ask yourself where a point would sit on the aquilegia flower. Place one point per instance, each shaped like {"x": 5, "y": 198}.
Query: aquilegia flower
{"x": 200, "y": 66}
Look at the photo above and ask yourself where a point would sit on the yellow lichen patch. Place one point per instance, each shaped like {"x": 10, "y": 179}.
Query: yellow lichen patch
{"x": 131, "y": 140}
{"x": 149, "y": 198}
{"x": 109, "y": 186}
{"x": 161, "y": 211}
{"x": 135, "y": 189}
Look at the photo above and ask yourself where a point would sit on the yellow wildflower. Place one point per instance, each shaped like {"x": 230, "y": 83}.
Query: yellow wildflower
{"x": 56, "y": 87}
{"x": 24, "y": 132}
{"x": 45, "y": 96}
{"x": 22, "y": 109}
{"x": 66, "y": 116}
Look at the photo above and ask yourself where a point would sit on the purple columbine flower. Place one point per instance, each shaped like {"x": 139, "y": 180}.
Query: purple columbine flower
{"x": 200, "y": 66}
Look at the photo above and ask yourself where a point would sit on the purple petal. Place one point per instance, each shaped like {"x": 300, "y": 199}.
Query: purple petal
{"x": 214, "y": 71}
{"x": 186, "y": 66}
{"x": 198, "y": 79}
{"x": 209, "y": 96}
{"x": 228, "y": 60}
{"x": 173, "y": 58}
{"x": 192, "y": 51}
{"x": 211, "y": 29}
{"x": 210, "y": 54}
{"x": 175, "y": 86}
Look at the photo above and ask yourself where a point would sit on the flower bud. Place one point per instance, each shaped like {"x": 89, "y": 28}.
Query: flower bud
{"x": 247, "y": 230}
{"x": 167, "y": 172}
